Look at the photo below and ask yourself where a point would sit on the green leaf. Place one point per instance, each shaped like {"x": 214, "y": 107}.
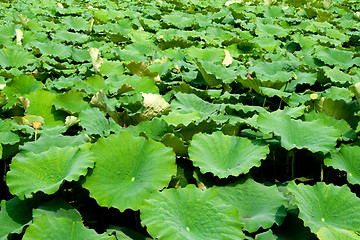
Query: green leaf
{"x": 41, "y": 104}
{"x": 346, "y": 159}
{"x": 224, "y": 155}
{"x": 270, "y": 30}
{"x": 57, "y": 207}
{"x": 130, "y": 169}
{"x": 333, "y": 233}
{"x": 268, "y": 235}
{"x": 15, "y": 57}
{"x": 76, "y": 23}
{"x": 326, "y": 205}
{"x": 314, "y": 135}
{"x": 189, "y": 103}
{"x": 94, "y": 122}
{"x": 111, "y": 68}
{"x": 258, "y": 206}
{"x": 154, "y": 129}
{"x": 46, "y": 171}
{"x": 14, "y": 215}
{"x": 341, "y": 58}
{"x": 20, "y": 86}
{"x": 338, "y": 76}
{"x": 179, "y": 19}
{"x": 190, "y": 213}
{"x": 53, "y": 49}
{"x": 346, "y": 131}
{"x": 176, "y": 118}
{"x": 50, "y": 227}
{"x": 70, "y": 101}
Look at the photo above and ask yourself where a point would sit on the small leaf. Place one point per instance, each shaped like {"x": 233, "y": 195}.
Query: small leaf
{"x": 50, "y": 227}
{"x": 346, "y": 159}
{"x": 224, "y": 155}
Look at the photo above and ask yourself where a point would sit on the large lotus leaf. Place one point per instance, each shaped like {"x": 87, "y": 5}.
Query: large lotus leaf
{"x": 208, "y": 54}
{"x": 313, "y": 135}
{"x": 44, "y": 143}
{"x": 337, "y": 76}
{"x": 70, "y": 101}
{"x": 177, "y": 118}
{"x": 226, "y": 155}
{"x": 267, "y": 42}
{"x": 111, "y": 68}
{"x": 209, "y": 78}
{"x": 41, "y": 104}
{"x": 154, "y": 129}
{"x": 15, "y": 57}
{"x": 332, "y": 233}
{"x": 9, "y": 137}
{"x": 189, "y": 103}
{"x": 190, "y": 213}
{"x": 53, "y": 49}
{"x": 46, "y": 171}
{"x": 258, "y": 205}
{"x": 139, "y": 84}
{"x": 326, "y": 205}
{"x": 338, "y": 93}
{"x": 14, "y": 215}
{"x": 339, "y": 109}
{"x": 71, "y": 37}
{"x": 270, "y": 30}
{"x": 341, "y": 58}
{"x": 346, "y": 159}
{"x": 94, "y": 122}
{"x": 179, "y": 19}
{"x": 21, "y": 85}
{"x": 128, "y": 169}
{"x": 76, "y": 23}
{"x": 346, "y": 131}
{"x": 50, "y": 227}
{"x": 57, "y": 207}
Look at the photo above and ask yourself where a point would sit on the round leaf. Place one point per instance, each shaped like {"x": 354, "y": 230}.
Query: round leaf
{"x": 46, "y": 171}
{"x": 331, "y": 233}
{"x": 50, "y": 227}
{"x": 326, "y": 205}
{"x": 347, "y": 159}
{"x": 258, "y": 205}
{"x": 190, "y": 213}
{"x": 128, "y": 169}
{"x": 313, "y": 135}
{"x": 226, "y": 155}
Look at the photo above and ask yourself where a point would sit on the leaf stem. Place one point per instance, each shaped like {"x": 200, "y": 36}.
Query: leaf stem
{"x": 292, "y": 164}
{"x": 322, "y": 172}
{"x": 264, "y": 102}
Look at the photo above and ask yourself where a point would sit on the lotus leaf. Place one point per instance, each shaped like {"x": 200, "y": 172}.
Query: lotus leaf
{"x": 41, "y": 104}
{"x": 224, "y": 155}
{"x": 335, "y": 57}
{"x": 154, "y": 129}
{"x": 324, "y": 205}
{"x": 176, "y": 118}
{"x": 313, "y": 135}
{"x": 15, "y": 57}
{"x": 70, "y": 101}
{"x": 57, "y": 208}
{"x": 14, "y": 215}
{"x": 333, "y": 233}
{"x": 76, "y": 23}
{"x": 346, "y": 159}
{"x": 268, "y": 235}
{"x": 53, "y": 49}
{"x": 338, "y": 76}
{"x": 50, "y": 227}
{"x": 190, "y": 213}
{"x": 20, "y": 86}
{"x": 258, "y": 205}
{"x": 46, "y": 171}
{"x": 94, "y": 122}
{"x": 136, "y": 166}
{"x": 189, "y": 103}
